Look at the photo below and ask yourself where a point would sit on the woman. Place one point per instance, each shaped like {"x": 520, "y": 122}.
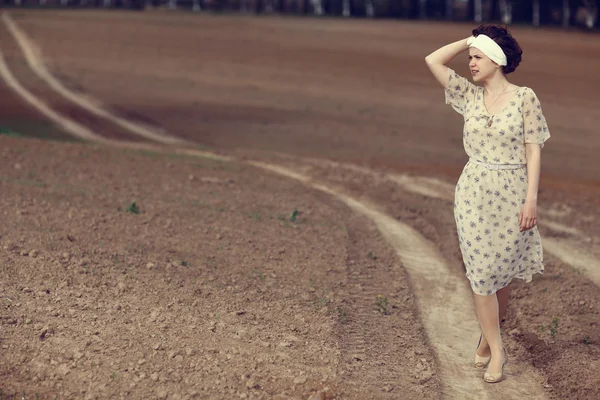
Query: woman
{"x": 495, "y": 204}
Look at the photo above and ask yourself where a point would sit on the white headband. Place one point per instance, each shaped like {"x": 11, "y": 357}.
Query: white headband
{"x": 489, "y": 47}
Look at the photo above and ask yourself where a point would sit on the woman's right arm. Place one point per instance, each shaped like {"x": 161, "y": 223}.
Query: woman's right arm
{"x": 437, "y": 60}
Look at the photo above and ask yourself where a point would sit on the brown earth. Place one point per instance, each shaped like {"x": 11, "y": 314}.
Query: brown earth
{"x": 353, "y": 91}
{"x": 212, "y": 290}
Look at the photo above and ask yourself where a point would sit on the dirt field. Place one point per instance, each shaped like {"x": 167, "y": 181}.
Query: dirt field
{"x": 212, "y": 286}
{"x": 218, "y": 288}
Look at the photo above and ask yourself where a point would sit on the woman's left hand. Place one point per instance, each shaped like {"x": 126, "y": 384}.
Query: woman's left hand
{"x": 528, "y": 216}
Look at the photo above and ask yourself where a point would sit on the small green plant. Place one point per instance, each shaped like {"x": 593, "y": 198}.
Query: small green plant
{"x": 322, "y": 299}
{"x": 343, "y": 315}
{"x": 552, "y": 328}
{"x": 133, "y": 208}
{"x": 259, "y": 274}
{"x": 382, "y": 304}
{"x": 185, "y": 263}
{"x": 586, "y": 340}
{"x": 293, "y": 215}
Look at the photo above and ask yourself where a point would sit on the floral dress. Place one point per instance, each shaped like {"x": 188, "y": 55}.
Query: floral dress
{"x": 488, "y": 200}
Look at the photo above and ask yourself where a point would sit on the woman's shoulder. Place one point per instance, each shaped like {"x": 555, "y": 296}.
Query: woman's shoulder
{"x": 527, "y": 94}
{"x": 459, "y": 83}
{"x": 527, "y": 91}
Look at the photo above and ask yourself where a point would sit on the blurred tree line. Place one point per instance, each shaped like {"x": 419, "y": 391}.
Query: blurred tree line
{"x": 535, "y": 12}
{"x": 566, "y": 13}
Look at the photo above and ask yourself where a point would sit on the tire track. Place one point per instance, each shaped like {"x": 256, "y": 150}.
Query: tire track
{"x": 77, "y": 130}
{"x": 37, "y": 65}
{"x": 371, "y": 344}
{"x": 82, "y": 132}
{"x": 444, "y": 300}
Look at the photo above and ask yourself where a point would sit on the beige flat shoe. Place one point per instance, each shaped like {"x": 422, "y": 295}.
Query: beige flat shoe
{"x": 494, "y": 378}
{"x": 481, "y": 362}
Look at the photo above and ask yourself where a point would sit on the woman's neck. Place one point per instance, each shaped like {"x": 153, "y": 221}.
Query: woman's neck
{"x": 496, "y": 84}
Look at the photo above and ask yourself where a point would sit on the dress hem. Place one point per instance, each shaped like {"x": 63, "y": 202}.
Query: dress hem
{"x": 526, "y": 276}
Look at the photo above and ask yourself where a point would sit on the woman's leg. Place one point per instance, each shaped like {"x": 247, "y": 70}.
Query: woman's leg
{"x": 487, "y": 311}
{"x": 503, "y": 296}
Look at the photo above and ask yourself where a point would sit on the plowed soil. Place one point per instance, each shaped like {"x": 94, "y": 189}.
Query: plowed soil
{"x": 230, "y": 282}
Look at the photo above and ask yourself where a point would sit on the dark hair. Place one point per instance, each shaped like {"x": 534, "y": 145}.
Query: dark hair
{"x": 500, "y": 34}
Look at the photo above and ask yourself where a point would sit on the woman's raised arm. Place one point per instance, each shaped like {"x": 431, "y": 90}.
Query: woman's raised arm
{"x": 437, "y": 60}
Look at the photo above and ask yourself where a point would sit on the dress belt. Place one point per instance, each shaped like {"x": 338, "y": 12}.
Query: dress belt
{"x": 497, "y": 166}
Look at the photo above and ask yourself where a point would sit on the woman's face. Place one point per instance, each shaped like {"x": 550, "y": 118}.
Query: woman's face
{"x": 480, "y": 65}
